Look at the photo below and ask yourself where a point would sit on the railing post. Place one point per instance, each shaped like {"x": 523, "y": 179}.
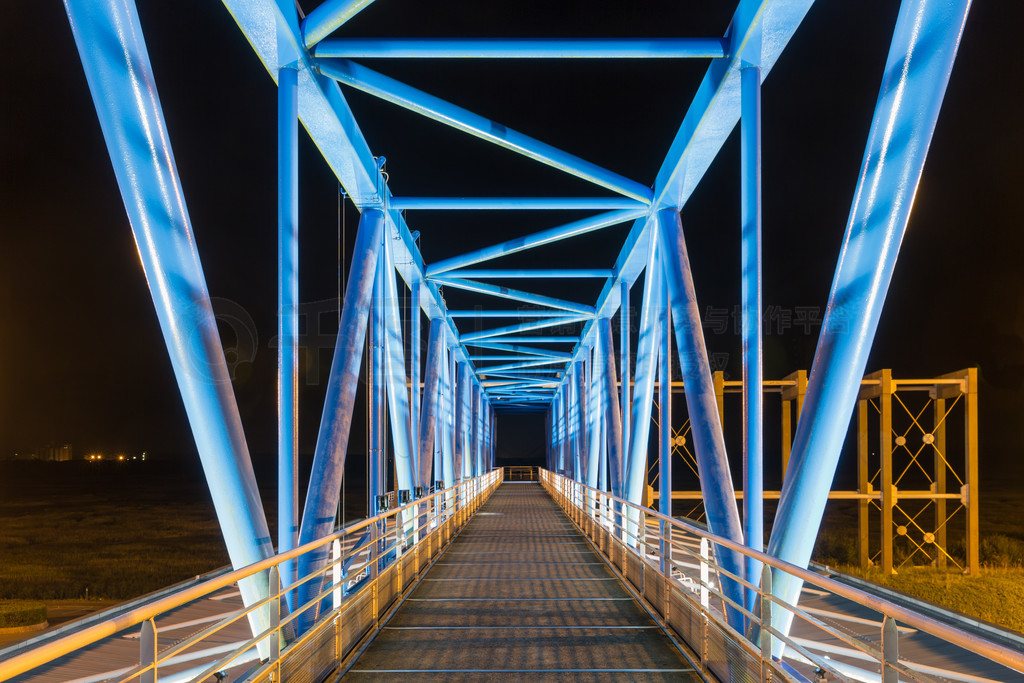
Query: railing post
{"x": 147, "y": 650}
{"x": 336, "y": 572}
{"x": 890, "y": 650}
{"x": 704, "y": 602}
{"x": 275, "y": 613}
{"x": 766, "y": 622}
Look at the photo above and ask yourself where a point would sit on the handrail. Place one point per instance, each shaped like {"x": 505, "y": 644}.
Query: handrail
{"x": 578, "y": 493}
{"x": 464, "y": 495}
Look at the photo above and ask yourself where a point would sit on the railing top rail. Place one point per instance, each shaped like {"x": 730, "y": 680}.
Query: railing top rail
{"x": 986, "y": 648}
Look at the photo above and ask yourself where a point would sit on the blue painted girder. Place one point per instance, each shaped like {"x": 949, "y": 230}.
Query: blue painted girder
{"x": 369, "y": 81}
{"x": 921, "y": 56}
{"x": 523, "y": 48}
{"x": 123, "y": 87}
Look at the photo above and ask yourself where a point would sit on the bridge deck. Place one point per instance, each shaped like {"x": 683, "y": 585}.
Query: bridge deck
{"x": 521, "y": 593}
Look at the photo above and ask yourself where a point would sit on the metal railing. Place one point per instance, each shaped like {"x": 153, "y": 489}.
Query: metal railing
{"x": 521, "y": 473}
{"x": 373, "y": 564}
{"x": 671, "y": 565}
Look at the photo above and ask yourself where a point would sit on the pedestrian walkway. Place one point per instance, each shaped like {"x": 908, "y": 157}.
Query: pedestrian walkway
{"x": 521, "y": 595}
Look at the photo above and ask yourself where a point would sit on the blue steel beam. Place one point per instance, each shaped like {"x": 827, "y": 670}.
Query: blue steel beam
{"x": 514, "y": 295}
{"x": 507, "y": 313}
{"x": 523, "y": 48}
{"x": 529, "y": 350}
{"x": 651, "y": 319}
{"x": 625, "y": 323}
{"x": 921, "y": 56}
{"x": 705, "y": 422}
{"x": 526, "y": 364}
{"x": 537, "y": 239}
{"x": 531, "y": 274}
{"x": 327, "y": 17}
{"x": 109, "y": 39}
{"x": 758, "y": 33}
{"x": 515, "y": 203}
{"x": 414, "y": 378}
{"x": 397, "y": 387}
{"x": 431, "y": 399}
{"x": 287, "y": 319}
{"x": 538, "y": 340}
{"x": 612, "y": 420}
{"x": 336, "y": 423}
{"x": 499, "y": 332}
{"x": 595, "y": 405}
{"x": 750, "y": 303}
{"x": 272, "y": 29}
{"x": 447, "y": 402}
{"x": 388, "y": 89}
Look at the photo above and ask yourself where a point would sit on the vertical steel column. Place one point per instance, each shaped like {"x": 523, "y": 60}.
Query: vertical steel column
{"x": 123, "y": 87}
{"x": 431, "y": 398}
{"x": 665, "y": 428}
{"x": 594, "y": 407}
{"x": 647, "y": 347}
{"x": 921, "y": 57}
{"x": 705, "y": 422}
{"x": 613, "y": 423}
{"x": 751, "y": 304}
{"x": 397, "y": 386}
{"x": 447, "y": 399}
{"x": 325, "y": 479}
{"x": 625, "y": 322}
{"x": 665, "y": 407}
{"x": 414, "y": 377}
{"x": 478, "y": 430}
{"x": 287, "y": 317}
{"x": 375, "y": 469}
{"x": 580, "y": 461}
{"x": 462, "y": 409}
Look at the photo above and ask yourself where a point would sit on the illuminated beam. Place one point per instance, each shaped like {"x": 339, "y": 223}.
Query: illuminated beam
{"x": 525, "y": 364}
{"x": 515, "y": 203}
{"x": 540, "y": 340}
{"x": 509, "y": 313}
{"x": 394, "y": 370}
{"x": 514, "y": 295}
{"x": 113, "y": 52}
{"x": 287, "y": 320}
{"x": 431, "y": 399}
{"x": 525, "y": 327}
{"x": 523, "y": 48}
{"x": 612, "y": 418}
{"x": 327, "y": 17}
{"x": 534, "y": 274}
{"x": 921, "y": 57}
{"x": 336, "y": 422}
{"x": 651, "y": 320}
{"x": 405, "y": 96}
{"x": 530, "y": 350}
{"x": 758, "y": 33}
{"x": 537, "y": 239}
{"x": 751, "y": 305}
{"x": 702, "y": 406}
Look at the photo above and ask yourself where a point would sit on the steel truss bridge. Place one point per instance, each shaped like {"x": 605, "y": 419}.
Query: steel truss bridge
{"x": 728, "y": 602}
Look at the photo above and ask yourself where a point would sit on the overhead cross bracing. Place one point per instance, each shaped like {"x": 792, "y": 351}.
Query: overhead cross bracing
{"x": 445, "y": 428}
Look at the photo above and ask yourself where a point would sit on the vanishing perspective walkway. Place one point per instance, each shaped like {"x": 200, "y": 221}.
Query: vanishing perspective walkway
{"x": 521, "y": 593}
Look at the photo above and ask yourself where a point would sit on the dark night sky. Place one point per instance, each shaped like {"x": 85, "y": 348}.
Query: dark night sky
{"x": 81, "y": 357}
